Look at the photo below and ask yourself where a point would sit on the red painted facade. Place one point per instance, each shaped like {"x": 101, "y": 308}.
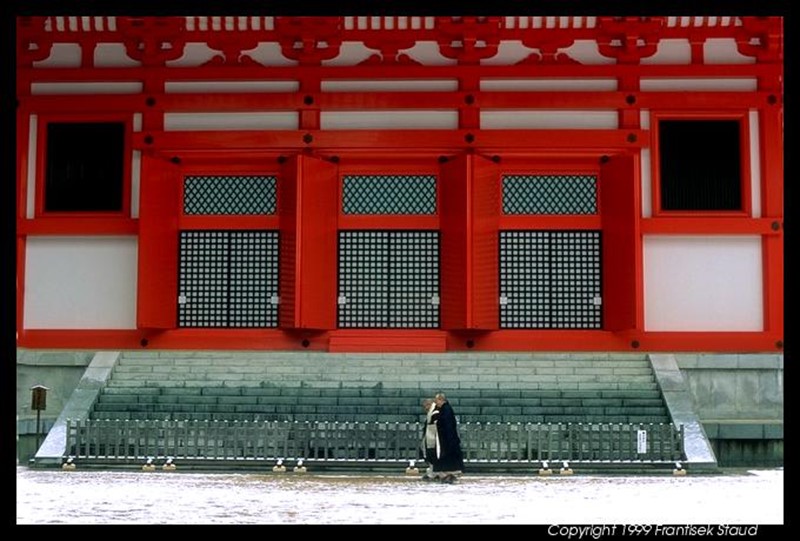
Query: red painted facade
{"x": 310, "y": 161}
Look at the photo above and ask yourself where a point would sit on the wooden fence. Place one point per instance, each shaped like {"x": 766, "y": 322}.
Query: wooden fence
{"x": 126, "y": 440}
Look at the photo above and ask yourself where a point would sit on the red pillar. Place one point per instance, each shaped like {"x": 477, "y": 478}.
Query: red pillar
{"x": 469, "y": 189}
{"x": 158, "y": 244}
{"x": 623, "y": 289}
{"x": 308, "y": 212}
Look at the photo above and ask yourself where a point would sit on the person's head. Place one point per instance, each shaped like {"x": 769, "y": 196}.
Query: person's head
{"x": 427, "y": 403}
{"x": 440, "y": 399}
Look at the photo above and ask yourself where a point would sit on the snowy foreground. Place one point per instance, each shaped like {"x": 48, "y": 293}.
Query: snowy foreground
{"x": 687, "y": 504}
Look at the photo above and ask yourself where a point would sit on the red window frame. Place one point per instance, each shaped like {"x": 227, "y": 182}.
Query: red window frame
{"x": 409, "y": 166}
{"x": 41, "y": 164}
{"x": 533, "y": 166}
{"x": 744, "y": 151}
{"x": 229, "y": 221}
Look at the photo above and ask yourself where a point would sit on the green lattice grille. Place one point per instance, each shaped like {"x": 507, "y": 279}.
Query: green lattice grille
{"x": 550, "y": 280}
{"x": 228, "y": 279}
{"x": 388, "y": 279}
{"x": 549, "y": 194}
{"x": 235, "y": 195}
{"x": 389, "y": 194}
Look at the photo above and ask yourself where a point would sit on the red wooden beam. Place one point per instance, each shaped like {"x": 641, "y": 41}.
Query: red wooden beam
{"x": 399, "y": 72}
{"x": 78, "y": 226}
{"x": 489, "y": 141}
{"x": 709, "y": 225}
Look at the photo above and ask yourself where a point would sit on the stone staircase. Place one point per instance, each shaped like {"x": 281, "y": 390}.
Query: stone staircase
{"x": 311, "y": 386}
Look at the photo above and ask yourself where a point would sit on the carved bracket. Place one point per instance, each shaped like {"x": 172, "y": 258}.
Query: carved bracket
{"x": 309, "y": 40}
{"x": 152, "y": 40}
{"x": 468, "y": 39}
{"x": 628, "y": 39}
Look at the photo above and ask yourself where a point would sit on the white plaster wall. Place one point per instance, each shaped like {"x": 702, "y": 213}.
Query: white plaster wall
{"x": 586, "y": 51}
{"x": 647, "y": 192}
{"x": 283, "y": 120}
{"x": 30, "y": 200}
{"x": 427, "y": 52}
{"x": 743, "y": 84}
{"x": 724, "y": 51}
{"x": 548, "y": 119}
{"x": 755, "y": 163}
{"x": 390, "y": 85}
{"x": 194, "y": 54}
{"x": 395, "y": 120}
{"x": 671, "y": 51}
{"x": 703, "y": 283}
{"x": 269, "y": 54}
{"x": 62, "y": 55}
{"x": 113, "y": 55}
{"x": 548, "y": 85}
{"x": 350, "y": 54}
{"x": 136, "y": 177}
{"x": 213, "y": 87}
{"x": 80, "y": 283}
{"x": 508, "y": 52}
{"x": 128, "y": 87}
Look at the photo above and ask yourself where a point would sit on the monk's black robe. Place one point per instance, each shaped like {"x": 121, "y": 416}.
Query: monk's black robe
{"x": 450, "y": 457}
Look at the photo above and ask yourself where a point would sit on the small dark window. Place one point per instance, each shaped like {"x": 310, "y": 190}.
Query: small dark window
{"x": 700, "y": 165}
{"x": 84, "y": 167}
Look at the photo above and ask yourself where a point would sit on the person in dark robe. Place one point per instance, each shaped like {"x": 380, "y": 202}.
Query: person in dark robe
{"x": 450, "y": 464}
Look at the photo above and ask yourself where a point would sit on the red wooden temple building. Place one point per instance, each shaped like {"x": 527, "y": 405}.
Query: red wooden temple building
{"x": 399, "y": 183}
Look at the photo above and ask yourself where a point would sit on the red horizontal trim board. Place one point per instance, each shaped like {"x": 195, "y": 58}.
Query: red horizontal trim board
{"x": 228, "y": 222}
{"x": 294, "y": 73}
{"x": 365, "y": 101}
{"x": 402, "y": 340}
{"x": 530, "y": 221}
{"x": 411, "y": 221}
{"x": 78, "y": 226}
{"x": 687, "y": 225}
{"x": 446, "y": 140}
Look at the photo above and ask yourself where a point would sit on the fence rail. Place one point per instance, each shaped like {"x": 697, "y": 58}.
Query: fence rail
{"x": 106, "y": 440}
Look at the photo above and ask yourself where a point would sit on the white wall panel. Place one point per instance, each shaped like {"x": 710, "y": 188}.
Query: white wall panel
{"x": 724, "y": 51}
{"x": 548, "y": 119}
{"x": 136, "y": 173}
{"x": 80, "y": 283}
{"x": 392, "y": 120}
{"x": 30, "y": 203}
{"x": 350, "y": 54}
{"x": 269, "y": 54}
{"x": 647, "y": 186}
{"x": 744, "y": 84}
{"x": 284, "y": 120}
{"x": 178, "y": 87}
{"x": 585, "y": 51}
{"x": 62, "y": 55}
{"x": 703, "y": 283}
{"x": 508, "y": 52}
{"x": 548, "y": 85}
{"x": 113, "y": 55}
{"x": 427, "y": 52}
{"x": 755, "y": 164}
{"x": 127, "y": 87}
{"x": 194, "y": 54}
{"x": 671, "y": 51}
{"x": 390, "y": 85}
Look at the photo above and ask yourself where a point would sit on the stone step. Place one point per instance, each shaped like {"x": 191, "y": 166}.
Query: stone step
{"x": 318, "y": 386}
{"x": 373, "y": 417}
{"x": 484, "y": 398}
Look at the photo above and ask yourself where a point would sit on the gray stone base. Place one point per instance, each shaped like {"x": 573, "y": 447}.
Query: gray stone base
{"x": 748, "y": 453}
